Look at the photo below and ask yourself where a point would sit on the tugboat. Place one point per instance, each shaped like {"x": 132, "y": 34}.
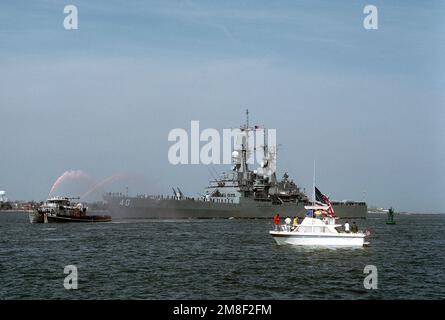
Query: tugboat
{"x": 390, "y": 219}
{"x": 61, "y": 209}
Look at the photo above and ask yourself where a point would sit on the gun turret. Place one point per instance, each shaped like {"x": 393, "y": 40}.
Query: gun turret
{"x": 181, "y": 195}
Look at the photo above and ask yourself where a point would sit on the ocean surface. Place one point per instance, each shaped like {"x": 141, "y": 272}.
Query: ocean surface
{"x": 216, "y": 259}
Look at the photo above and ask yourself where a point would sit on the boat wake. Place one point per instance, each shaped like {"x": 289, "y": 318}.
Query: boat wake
{"x": 55, "y": 239}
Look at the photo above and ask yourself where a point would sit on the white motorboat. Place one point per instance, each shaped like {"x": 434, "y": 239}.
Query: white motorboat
{"x": 318, "y": 231}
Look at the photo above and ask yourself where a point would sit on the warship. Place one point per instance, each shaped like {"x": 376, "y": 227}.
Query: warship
{"x": 241, "y": 193}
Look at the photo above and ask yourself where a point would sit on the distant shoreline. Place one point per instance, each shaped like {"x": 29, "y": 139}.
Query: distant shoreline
{"x": 16, "y": 211}
{"x": 370, "y": 213}
{"x": 405, "y": 213}
{"x": 29, "y": 211}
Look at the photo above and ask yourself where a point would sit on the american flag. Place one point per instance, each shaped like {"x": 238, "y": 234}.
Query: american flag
{"x": 322, "y": 199}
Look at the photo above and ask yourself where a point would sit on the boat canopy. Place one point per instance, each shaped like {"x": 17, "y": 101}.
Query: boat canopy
{"x": 316, "y": 207}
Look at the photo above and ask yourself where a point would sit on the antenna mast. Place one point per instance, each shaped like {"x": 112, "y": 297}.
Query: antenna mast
{"x": 245, "y": 144}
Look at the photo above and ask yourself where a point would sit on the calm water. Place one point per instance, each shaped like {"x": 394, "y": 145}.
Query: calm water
{"x": 216, "y": 259}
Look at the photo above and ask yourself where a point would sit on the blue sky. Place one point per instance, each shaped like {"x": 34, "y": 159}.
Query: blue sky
{"x": 367, "y": 105}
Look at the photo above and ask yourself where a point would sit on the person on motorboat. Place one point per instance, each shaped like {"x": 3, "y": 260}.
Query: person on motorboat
{"x": 347, "y": 228}
{"x": 295, "y": 223}
{"x": 276, "y": 222}
{"x": 354, "y": 228}
{"x": 287, "y": 221}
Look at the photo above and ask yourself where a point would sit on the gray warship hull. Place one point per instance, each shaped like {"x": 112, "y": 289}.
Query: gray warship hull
{"x": 149, "y": 208}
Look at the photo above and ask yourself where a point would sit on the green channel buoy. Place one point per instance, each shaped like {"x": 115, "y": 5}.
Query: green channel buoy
{"x": 390, "y": 217}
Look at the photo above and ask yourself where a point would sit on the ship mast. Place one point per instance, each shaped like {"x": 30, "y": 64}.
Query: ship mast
{"x": 264, "y": 144}
{"x": 245, "y": 147}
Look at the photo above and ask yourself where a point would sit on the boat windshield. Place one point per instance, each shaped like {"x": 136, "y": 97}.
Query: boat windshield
{"x": 59, "y": 201}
